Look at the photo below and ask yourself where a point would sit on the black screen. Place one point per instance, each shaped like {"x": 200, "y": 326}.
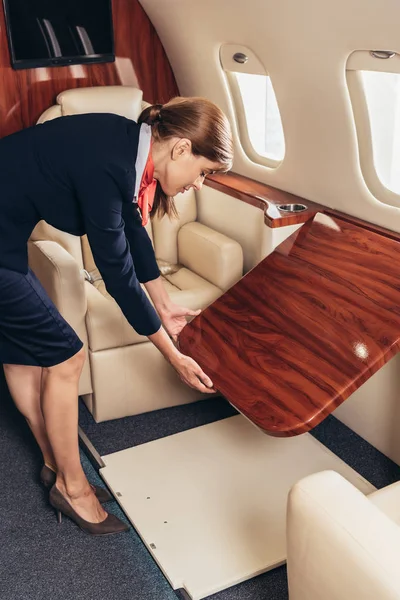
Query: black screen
{"x": 57, "y": 32}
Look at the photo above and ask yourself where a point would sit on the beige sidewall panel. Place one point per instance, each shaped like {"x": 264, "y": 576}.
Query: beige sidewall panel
{"x": 304, "y": 47}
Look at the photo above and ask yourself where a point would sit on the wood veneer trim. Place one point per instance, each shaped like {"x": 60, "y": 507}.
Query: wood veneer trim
{"x": 267, "y": 198}
{"x": 264, "y": 197}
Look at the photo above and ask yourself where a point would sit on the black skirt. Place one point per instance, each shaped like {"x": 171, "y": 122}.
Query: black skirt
{"x": 32, "y": 331}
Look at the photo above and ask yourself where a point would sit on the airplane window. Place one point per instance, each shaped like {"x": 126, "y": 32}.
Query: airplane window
{"x": 263, "y": 119}
{"x": 382, "y": 93}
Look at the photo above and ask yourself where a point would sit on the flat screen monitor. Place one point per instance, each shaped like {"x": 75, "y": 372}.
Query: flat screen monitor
{"x": 43, "y": 33}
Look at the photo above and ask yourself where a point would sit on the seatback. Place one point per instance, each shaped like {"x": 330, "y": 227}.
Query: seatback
{"x": 339, "y": 544}
{"x": 126, "y": 101}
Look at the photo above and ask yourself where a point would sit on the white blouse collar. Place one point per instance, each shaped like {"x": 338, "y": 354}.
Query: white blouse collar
{"x": 142, "y": 155}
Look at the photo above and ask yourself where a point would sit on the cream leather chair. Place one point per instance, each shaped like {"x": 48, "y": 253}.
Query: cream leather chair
{"x": 342, "y": 545}
{"x": 124, "y": 373}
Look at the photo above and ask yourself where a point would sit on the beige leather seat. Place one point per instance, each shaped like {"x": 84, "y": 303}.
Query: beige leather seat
{"x": 124, "y": 373}
{"x": 342, "y": 545}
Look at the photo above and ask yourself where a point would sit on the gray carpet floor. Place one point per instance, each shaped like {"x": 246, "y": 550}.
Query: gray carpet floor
{"x": 40, "y": 559}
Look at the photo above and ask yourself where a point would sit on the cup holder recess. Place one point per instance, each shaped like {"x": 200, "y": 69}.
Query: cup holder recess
{"x": 292, "y": 208}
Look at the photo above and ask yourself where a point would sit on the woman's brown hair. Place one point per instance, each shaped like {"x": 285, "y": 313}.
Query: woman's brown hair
{"x": 198, "y": 120}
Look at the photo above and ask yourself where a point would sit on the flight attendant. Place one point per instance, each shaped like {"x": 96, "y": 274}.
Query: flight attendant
{"x": 102, "y": 175}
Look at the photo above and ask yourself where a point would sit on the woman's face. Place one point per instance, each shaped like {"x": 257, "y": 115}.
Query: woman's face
{"x": 182, "y": 169}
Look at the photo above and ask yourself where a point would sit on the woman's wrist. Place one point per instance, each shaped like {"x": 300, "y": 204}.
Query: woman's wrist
{"x": 164, "y": 344}
{"x": 159, "y": 296}
{"x": 163, "y": 308}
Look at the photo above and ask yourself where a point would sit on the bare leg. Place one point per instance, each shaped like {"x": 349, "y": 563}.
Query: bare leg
{"x": 24, "y": 384}
{"x": 60, "y": 411}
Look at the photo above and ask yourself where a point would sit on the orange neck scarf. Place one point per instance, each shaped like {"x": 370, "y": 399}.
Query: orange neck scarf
{"x": 147, "y": 190}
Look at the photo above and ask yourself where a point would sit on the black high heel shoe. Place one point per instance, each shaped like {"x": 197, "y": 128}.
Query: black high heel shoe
{"x": 48, "y": 479}
{"x": 110, "y": 525}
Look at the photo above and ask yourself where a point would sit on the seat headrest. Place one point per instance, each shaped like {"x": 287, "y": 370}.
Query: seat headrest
{"x": 121, "y": 100}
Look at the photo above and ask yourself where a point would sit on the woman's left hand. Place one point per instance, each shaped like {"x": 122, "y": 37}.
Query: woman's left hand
{"x": 174, "y": 319}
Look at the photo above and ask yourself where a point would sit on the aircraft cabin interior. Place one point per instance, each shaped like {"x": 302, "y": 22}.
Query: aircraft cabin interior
{"x": 258, "y": 457}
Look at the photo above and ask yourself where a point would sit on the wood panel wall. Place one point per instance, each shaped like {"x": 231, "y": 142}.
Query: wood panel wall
{"x": 140, "y": 61}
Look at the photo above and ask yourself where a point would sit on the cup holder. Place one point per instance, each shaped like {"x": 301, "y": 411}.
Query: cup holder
{"x": 292, "y": 208}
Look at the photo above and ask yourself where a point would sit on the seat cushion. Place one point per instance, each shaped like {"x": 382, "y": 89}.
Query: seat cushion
{"x": 108, "y": 328}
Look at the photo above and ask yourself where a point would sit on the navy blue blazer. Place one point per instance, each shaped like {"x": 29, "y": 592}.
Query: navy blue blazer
{"x": 78, "y": 174}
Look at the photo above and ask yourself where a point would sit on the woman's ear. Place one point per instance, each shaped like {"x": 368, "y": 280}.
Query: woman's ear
{"x": 181, "y": 148}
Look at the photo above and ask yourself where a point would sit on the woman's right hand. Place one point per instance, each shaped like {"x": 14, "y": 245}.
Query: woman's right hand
{"x": 192, "y": 374}
{"x": 188, "y": 370}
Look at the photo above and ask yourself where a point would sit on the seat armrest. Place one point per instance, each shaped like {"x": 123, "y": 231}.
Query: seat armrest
{"x": 61, "y": 277}
{"x": 210, "y": 254}
{"x": 339, "y": 545}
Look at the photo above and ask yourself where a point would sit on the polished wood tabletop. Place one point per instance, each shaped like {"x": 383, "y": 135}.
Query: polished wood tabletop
{"x": 298, "y": 334}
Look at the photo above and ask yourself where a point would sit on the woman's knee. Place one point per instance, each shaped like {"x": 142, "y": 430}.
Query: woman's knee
{"x": 69, "y": 369}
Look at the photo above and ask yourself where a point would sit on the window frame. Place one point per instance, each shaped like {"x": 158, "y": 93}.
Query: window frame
{"x": 362, "y": 60}
{"x": 253, "y": 66}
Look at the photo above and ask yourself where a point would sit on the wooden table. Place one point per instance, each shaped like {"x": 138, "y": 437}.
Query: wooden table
{"x": 305, "y": 328}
